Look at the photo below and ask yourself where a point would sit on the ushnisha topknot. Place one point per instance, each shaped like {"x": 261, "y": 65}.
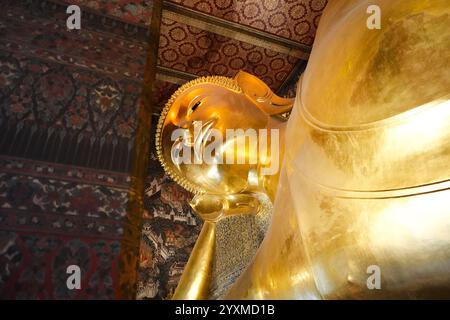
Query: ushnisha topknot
{"x": 226, "y": 82}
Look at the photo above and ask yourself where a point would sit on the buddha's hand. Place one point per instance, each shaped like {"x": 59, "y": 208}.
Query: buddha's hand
{"x": 213, "y": 207}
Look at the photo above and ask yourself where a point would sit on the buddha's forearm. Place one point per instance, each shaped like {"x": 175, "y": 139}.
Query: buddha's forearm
{"x": 194, "y": 283}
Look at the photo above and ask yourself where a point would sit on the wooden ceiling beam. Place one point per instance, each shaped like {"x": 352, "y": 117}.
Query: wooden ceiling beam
{"x": 173, "y": 76}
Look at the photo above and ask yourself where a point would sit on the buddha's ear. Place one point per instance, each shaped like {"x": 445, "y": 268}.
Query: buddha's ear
{"x": 260, "y": 92}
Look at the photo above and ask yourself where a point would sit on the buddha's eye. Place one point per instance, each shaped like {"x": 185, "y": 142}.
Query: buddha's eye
{"x": 196, "y": 105}
{"x": 193, "y": 104}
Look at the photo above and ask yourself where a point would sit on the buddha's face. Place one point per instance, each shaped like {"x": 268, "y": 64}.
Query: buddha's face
{"x": 208, "y": 137}
{"x": 200, "y": 116}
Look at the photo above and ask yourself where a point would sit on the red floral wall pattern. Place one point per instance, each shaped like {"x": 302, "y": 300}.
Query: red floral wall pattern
{"x": 292, "y": 19}
{"x": 202, "y": 53}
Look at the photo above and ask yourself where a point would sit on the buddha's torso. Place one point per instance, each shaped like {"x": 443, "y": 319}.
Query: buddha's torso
{"x": 366, "y": 173}
{"x": 366, "y": 102}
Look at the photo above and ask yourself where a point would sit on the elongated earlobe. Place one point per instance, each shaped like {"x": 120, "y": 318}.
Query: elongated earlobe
{"x": 263, "y": 96}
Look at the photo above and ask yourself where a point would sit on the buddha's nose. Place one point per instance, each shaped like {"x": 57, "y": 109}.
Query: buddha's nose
{"x": 183, "y": 123}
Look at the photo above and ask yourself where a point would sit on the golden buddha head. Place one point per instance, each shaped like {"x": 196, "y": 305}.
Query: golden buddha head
{"x": 202, "y": 110}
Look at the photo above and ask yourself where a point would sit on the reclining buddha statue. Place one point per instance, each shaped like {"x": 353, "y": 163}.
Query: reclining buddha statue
{"x": 363, "y": 186}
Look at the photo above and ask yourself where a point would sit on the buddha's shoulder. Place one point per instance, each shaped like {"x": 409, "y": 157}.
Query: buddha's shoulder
{"x": 358, "y": 75}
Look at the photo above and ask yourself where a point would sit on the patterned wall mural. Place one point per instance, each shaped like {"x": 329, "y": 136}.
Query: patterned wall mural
{"x": 170, "y": 230}
{"x": 68, "y": 105}
{"x": 69, "y": 97}
{"x": 53, "y": 216}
